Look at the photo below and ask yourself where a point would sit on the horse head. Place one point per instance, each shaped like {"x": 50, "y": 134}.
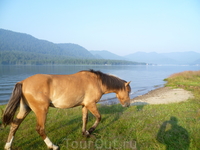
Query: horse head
{"x": 123, "y": 95}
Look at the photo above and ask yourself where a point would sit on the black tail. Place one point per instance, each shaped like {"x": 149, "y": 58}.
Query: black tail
{"x": 12, "y": 105}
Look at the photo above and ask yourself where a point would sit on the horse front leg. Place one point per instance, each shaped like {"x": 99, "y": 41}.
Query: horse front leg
{"x": 85, "y": 119}
{"x": 93, "y": 109}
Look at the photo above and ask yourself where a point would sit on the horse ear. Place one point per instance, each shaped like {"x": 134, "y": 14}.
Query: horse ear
{"x": 127, "y": 83}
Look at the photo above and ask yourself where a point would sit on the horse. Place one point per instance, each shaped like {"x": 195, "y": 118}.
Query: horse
{"x": 39, "y": 92}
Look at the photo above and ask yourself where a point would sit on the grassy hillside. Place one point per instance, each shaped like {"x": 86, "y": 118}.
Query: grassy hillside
{"x": 172, "y": 126}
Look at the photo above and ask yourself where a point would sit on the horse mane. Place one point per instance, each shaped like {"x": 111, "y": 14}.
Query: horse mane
{"x": 110, "y": 81}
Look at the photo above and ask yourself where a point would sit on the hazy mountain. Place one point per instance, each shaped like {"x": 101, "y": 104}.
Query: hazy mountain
{"x": 196, "y": 62}
{"x": 152, "y": 57}
{"x": 183, "y": 57}
{"x": 13, "y": 41}
{"x": 106, "y": 55}
{"x": 179, "y": 58}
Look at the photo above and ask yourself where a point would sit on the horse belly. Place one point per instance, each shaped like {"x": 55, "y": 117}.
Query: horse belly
{"x": 67, "y": 102}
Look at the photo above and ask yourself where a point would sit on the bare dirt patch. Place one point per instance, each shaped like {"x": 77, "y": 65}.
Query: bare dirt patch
{"x": 163, "y": 95}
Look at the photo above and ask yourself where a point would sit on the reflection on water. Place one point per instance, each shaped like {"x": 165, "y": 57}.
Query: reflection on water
{"x": 143, "y": 78}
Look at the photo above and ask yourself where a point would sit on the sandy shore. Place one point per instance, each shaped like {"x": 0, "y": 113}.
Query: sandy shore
{"x": 163, "y": 95}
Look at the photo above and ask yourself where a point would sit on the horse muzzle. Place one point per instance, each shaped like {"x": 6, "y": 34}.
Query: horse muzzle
{"x": 126, "y": 104}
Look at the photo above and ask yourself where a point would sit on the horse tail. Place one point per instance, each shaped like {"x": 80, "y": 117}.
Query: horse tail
{"x": 12, "y": 105}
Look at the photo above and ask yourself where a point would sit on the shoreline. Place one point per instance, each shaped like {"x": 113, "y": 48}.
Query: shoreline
{"x": 140, "y": 92}
{"x": 162, "y": 95}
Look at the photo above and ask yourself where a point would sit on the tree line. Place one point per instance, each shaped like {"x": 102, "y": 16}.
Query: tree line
{"x": 22, "y": 58}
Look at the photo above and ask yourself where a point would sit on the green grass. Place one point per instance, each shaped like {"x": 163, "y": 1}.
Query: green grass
{"x": 173, "y": 126}
{"x": 188, "y": 80}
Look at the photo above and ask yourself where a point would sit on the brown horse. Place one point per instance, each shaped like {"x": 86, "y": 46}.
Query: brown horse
{"x": 41, "y": 91}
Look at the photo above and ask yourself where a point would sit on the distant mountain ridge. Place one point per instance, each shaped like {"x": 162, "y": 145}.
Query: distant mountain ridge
{"x": 177, "y": 58}
{"x": 106, "y": 55}
{"x": 23, "y": 49}
{"x": 13, "y": 41}
{"x": 152, "y": 57}
{"x": 15, "y": 47}
{"x": 172, "y": 58}
{"x": 189, "y": 57}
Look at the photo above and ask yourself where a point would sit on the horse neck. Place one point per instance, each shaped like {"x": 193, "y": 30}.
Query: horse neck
{"x": 111, "y": 84}
{"x": 107, "y": 90}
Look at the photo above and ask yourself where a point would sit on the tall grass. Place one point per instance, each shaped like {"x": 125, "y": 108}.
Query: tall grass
{"x": 173, "y": 126}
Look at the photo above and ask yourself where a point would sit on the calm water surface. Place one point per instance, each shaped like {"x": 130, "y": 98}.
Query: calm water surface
{"x": 143, "y": 78}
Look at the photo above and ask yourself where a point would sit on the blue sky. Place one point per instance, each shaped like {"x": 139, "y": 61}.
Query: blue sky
{"x": 119, "y": 26}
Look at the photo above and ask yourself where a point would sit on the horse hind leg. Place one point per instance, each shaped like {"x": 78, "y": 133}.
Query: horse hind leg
{"x": 41, "y": 114}
{"x": 23, "y": 112}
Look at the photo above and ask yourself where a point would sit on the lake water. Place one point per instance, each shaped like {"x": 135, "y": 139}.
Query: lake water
{"x": 143, "y": 78}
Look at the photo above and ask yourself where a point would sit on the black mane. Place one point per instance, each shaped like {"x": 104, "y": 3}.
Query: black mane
{"x": 110, "y": 81}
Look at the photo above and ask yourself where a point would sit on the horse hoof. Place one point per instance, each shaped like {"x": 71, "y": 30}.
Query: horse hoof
{"x": 54, "y": 147}
{"x": 86, "y": 133}
{"x": 7, "y": 146}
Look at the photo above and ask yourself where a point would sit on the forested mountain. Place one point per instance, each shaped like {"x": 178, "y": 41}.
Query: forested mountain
{"x": 75, "y": 50}
{"x": 12, "y": 41}
{"x": 106, "y": 55}
{"x": 20, "y": 48}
